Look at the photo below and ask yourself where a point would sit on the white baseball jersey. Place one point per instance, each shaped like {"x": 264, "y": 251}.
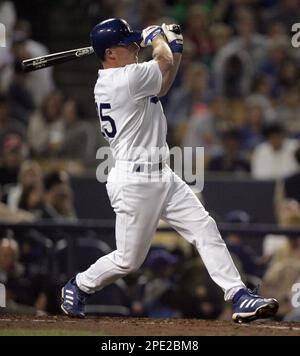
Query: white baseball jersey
{"x": 130, "y": 112}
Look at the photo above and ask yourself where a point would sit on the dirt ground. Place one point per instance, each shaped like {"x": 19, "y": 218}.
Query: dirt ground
{"x": 149, "y": 327}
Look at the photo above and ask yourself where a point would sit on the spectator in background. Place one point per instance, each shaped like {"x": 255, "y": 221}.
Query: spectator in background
{"x": 220, "y": 34}
{"x": 291, "y": 185}
{"x": 206, "y": 127}
{"x": 226, "y": 11}
{"x": 39, "y": 83}
{"x": 24, "y": 295}
{"x": 288, "y": 111}
{"x": 284, "y": 269}
{"x": 79, "y": 141}
{"x": 17, "y": 53}
{"x": 276, "y": 30}
{"x": 154, "y": 296}
{"x": 197, "y": 295}
{"x": 231, "y": 160}
{"x": 278, "y": 54}
{"x": 273, "y": 243}
{"x": 260, "y": 96}
{"x": 274, "y": 158}
{"x": 235, "y": 64}
{"x": 45, "y": 131}
{"x": 232, "y": 73}
{"x": 152, "y": 12}
{"x": 12, "y": 155}
{"x": 289, "y": 75}
{"x": 248, "y": 258}
{"x": 251, "y": 131}
{"x": 30, "y": 175}
{"x": 21, "y": 99}
{"x": 249, "y": 39}
{"x": 7, "y": 124}
{"x": 14, "y": 217}
{"x": 197, "y": 31}
{"x": 287, "y": 13}
{"x": 58, "y": 197}
{"x": 32, "y": 200}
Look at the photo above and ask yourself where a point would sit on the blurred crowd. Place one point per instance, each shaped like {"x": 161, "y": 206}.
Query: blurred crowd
{"x": 237, "y": 94}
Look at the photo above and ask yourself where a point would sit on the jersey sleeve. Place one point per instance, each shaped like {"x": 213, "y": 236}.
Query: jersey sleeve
{"x": 144, "y": 79}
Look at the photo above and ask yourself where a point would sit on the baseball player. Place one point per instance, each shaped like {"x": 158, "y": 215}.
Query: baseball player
{"x": 127, "y": 97}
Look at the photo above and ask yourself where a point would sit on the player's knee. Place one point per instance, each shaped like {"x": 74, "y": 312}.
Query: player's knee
{"x": 127, "y": 263}
{"x": 208, "y": 226}
{"x": 130, "y": 266}
{"x": 127, "y": 269}
{"x": 209, "y": 233}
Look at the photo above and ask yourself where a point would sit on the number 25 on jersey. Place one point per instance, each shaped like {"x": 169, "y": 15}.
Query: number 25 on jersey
{"x": 108, "y": 124}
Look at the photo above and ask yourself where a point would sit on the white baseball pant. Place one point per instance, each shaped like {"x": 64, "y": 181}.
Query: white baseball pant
{"x": 139, "y": 205}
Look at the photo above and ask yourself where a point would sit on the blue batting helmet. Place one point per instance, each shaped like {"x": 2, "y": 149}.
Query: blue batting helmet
{"x": 111, "y": 33}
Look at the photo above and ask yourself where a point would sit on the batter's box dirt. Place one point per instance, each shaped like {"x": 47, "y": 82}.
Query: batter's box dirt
{"x": 142, "y": 327}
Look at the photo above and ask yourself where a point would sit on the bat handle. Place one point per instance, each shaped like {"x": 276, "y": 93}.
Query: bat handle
{"x": 174, "y": 28}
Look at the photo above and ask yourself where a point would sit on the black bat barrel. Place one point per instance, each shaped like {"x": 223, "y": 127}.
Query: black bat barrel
{"x": 30, "y": 65}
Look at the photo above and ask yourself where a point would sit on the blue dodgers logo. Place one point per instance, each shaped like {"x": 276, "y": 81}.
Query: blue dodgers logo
{"x": 2, "y": 35}
{"x": 2, "y": 296}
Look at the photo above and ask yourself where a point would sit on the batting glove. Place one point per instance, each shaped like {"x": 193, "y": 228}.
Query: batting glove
{"x": 149, "y": 34}
{"x": 174, "y": 37}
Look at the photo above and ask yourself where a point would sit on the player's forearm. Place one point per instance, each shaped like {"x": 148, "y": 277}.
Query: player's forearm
{"x": 162, "y": 54}
{"x": 170, "y": 76}
{"x": 168, "y": 63}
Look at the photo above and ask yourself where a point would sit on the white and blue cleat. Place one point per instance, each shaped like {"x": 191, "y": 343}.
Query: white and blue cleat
{"x": 247, "y": 307}
{"x": 73, "y": 300}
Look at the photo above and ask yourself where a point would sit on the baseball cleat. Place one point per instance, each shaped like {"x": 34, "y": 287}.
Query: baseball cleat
{"x": 248, "y": 306}
{"x": 73, "y": 300}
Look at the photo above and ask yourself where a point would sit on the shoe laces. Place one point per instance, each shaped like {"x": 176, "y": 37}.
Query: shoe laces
{"x": 254, "y": 292}
{"x": 82, "y": 297}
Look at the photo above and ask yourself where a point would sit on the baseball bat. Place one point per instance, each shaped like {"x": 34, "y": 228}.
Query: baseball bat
{"x": 32, "y": 64}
